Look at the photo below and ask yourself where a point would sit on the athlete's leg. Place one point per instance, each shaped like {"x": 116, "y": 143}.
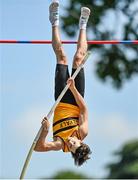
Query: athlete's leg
{"x": 82, "y": 40}
{"x": 61, "y": 73}
{"x": 56, "y": 41}
{"x": 81, "y": 50}
{"x": 57, "y": 46}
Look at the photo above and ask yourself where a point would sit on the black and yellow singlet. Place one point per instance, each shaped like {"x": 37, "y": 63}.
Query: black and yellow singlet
{"x": 65, "y": 122}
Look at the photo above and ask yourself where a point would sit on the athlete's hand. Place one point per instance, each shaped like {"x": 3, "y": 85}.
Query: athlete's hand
{"x": 71, "y": 84}
{"x": 45, "y": 123}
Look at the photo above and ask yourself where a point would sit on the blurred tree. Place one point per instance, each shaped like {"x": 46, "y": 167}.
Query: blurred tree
{"x": 127, "y": 166}
{"x": 114, "y": 19}
{"x": 69, "y": 175}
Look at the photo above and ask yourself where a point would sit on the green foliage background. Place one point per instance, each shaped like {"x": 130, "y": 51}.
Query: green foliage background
{"x": 109, "y": 20}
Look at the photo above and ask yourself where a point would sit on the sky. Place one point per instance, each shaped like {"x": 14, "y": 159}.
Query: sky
{"x": 27, "y": 81}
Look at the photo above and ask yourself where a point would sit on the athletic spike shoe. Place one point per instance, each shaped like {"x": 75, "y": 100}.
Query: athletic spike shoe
{"x": 85, "y": 13}
{"x": 54, "y": 13}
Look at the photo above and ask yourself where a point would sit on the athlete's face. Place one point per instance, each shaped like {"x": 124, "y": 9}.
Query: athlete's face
{"x": 73, "y": 143}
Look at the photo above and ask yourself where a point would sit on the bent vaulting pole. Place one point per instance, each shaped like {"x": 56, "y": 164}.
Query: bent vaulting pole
{"x": 69, "y": 42}
{"x": 49, "y": 115}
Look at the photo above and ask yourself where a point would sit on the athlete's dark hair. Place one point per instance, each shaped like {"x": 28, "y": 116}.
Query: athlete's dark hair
{"x": 81, "y": 154}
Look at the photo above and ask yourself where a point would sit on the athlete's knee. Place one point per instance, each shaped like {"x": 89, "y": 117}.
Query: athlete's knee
{"x": 78, "y": 58}
{"x": 60, "y": 54}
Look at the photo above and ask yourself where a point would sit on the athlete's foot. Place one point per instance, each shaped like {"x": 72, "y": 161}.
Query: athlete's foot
{"x": 85, "y": 13}
{"x": 54, "y": 13}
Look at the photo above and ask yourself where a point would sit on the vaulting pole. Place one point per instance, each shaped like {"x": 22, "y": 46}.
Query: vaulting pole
{"x": 69, "y": 42}
{"x": 49, "y": 115}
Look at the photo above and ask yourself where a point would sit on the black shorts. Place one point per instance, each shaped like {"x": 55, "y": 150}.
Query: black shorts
{"x": 61, "y": 77}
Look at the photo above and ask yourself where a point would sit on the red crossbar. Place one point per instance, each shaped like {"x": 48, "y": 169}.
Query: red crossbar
{"x": 69, "y": 42}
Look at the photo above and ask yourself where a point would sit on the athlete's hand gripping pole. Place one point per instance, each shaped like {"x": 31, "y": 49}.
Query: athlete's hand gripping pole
{"x": 49, "y": 115}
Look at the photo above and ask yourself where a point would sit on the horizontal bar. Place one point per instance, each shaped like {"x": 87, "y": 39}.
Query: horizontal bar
{"x": 69, "y": 42}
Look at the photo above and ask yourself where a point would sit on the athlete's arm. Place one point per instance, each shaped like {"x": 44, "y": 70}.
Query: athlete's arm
{"x": 42, "y": 145}
{"x": 79, "y": 99}
{"x": 48, "y": 146}
{"x": 83, "y": 120}
{"x": 83, "y": 126}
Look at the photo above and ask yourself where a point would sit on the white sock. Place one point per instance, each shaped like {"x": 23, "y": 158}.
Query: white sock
{"x": 85, "y": 13}
{"x": 54, "y": 13}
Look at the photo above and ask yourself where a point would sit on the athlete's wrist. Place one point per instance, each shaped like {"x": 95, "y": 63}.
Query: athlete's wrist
{"x": 73, "y": 89}
{"x": 46, "y": 129}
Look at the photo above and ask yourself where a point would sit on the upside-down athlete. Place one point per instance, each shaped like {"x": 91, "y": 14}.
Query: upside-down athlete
{"x": 70, "y": 122}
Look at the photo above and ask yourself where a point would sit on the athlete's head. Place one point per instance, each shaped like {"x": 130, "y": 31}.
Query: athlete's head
{"x": 80, "y": 151}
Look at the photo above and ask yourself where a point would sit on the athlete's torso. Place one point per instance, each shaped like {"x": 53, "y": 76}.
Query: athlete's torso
{"x": 66, "y": 122}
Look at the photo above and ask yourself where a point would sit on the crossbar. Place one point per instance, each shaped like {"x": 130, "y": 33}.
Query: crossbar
{"x": 69, "y": 42}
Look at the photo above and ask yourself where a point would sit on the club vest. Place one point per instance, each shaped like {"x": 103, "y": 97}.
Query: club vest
{"x": 66, "y": 122}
